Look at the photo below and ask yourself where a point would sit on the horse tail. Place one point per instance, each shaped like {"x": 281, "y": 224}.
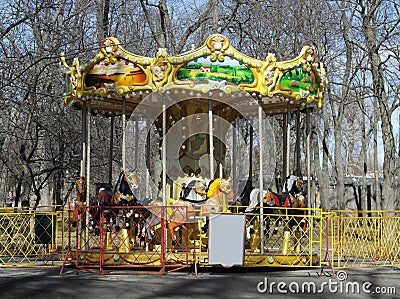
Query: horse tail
{"x": 253, "y": 199}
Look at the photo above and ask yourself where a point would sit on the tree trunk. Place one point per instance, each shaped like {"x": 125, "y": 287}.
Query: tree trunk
{"x": 369, "y": 21}
{"x": 323, "y": 173}
{"x": 103, "y": 9}
{"x": 376, "y": 163}
{"x": 363, "y": 195}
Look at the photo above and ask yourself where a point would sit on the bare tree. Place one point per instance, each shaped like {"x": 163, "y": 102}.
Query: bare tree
{"x": 165, "y": 28}
{"x": 356, "y": 40}
{"x": 379, "y": 24}
{"x": 36, "y": 157}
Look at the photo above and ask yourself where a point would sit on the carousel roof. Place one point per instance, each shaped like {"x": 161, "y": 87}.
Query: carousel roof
{"x": 115, "y": 75}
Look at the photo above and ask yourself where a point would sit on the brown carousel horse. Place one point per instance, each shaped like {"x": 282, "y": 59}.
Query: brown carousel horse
{"x": 291, "y": 198}
{"x": 294, "y": 200}
{"x": 296, "y": 204}
{"x": 82, "y": 208}
{"x": 106, "y": 201}
{"x": 112, "y": 201}
{"x": 179, "y": 212}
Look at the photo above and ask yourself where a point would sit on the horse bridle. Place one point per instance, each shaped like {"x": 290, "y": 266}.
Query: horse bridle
{"x": 129, "y": 178}
{"x": 225, "y": 190}
{"x": 299, "y": 183}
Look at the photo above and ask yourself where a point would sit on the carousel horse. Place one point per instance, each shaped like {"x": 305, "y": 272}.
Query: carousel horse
{"x": 81, "y": 207}
{"x": 101, "y": 203}
{"x": 296, "y": 222}
{"x": 194, "y": 191}
{"x": 243, "y": 199}
{"x": 110, "y": 201}
{"x": 122, "y": 198}
{"x": 291, "y": 198}
{"x": 287, "y": 199}
{"x": 217, "y": 196}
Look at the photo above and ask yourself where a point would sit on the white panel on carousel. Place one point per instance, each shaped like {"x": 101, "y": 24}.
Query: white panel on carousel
{"x": 226, "y": 239}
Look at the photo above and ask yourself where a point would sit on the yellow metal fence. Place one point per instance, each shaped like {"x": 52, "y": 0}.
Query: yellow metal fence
{"x": 284, "y": 238}
{"x": 364, "y": 238}
{"x": 337, "y": 239}
{"x": 31, "y": 238}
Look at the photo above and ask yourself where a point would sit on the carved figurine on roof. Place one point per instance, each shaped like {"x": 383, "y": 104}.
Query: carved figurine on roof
{"x": 115, "y": 73}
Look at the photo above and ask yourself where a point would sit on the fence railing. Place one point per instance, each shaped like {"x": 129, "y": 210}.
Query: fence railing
{"x": 365, "y": 238}
{"x": 170, "y": 238}
{"x": 129, "y": 238}
{"x": 32, "y": 238}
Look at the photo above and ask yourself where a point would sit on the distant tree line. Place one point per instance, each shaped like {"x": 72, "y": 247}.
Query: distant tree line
{"x": 355, "y": 133}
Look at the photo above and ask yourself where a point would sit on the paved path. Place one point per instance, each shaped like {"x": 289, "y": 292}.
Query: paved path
{"x": 268, "y": 283}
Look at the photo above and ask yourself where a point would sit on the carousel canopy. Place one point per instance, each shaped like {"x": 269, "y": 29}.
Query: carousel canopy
{"x": 115, "y": 76}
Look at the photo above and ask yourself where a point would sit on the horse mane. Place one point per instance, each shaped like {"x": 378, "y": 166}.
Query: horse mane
{"x": 187, "y": 188}
{"x": 118, "y": 184}
{"x": 290, "y": 180}
{"x": 212, "y": 187}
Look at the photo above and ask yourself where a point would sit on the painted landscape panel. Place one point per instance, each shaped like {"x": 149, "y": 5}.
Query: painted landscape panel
{"x": 203, "y": 71}
{"x": 298, "y": 80}
{"x": 122, "y": 73}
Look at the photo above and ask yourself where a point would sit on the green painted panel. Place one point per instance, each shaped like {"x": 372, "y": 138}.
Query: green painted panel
{"x": 299, "y": 80}
{"x": 203, "y": 71}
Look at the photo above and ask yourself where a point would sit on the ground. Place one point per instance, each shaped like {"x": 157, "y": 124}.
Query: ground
{"x": 225, "y": 283}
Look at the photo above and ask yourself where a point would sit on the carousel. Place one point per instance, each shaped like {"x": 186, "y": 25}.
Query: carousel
{"x": 199, "y": 143}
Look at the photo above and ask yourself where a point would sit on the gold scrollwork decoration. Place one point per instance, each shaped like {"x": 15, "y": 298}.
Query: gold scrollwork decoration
{"x": 160, "y": 67}
{"x": 108, "y": 48}
{"x": 75, "y": 75}
{"x": 217, "y": 44}
{"x": 300, "y": 80}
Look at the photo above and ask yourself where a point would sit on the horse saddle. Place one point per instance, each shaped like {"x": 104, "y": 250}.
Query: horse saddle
{"x": 105, "y": 197}
{"x": 193, "y": 192}
{"x": 281, "y": 200}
